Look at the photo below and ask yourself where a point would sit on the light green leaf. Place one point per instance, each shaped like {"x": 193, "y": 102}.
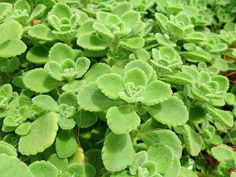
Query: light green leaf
{"x": 60, "y": 51}
{"x": 10, "y": 30}
{"x": 38, "y": 55}
{"x": 39, "y": 81}
{"x": 122, "y": 7}
{"x": 82, "y": 65}
{"x": 65, "y": 123}
{"x": 41, "y": 136}
{"x": 46, "y": 102}
{"x": 156, "y": 92}
{"x": 175, "y": 169}
{"x": 7, "y": 149}
{"x": 80, "y": 170}
{"x": 135, "y": 76}
{"x": 123, "y": 173}
{"x": 22, "y": 5}
{"x": 144, "y": 66}
{"x": 158, "y": 153}
{"x": 101, "y": 28}
{"x": 54, "y": 70}
{"x": 96, "y": 71}
{"x": 43, "y": 168}
{"x": 111, "y": 85}
{"x": 68, "y": 98}
{"x": 85, "y": 119}
{"x": 11, "y": 166}
{"x": 61, "y": 10}
{"x": 41, "y": 32}
{"x": 165, "y": 112}
{"x": 130, "y": 18}
{"x": 122, "y": 119}
{"x": 225, "y": 155}
{"x": 37, "y": 11}
{"x": 192, "y": 140}
{"x": 12, "y": 48}
{"x": 73, "y": 86}
{"x": 223, "y": 117}
{"x": 133, "y": 43}
{"x": 91, "y": 42}
{"x": 164, "y": 136}
{"x": 66, "y": 144}
{"x": 5, "y": 8}
{"x": 61, "y": 164}
{"x": 90, "y": 98}
{"x": 117, "y": 152}
{"x": 23, "y": 129}
{"x": 139, "y": 159}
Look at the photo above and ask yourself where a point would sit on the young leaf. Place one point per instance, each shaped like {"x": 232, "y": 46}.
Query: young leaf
{"x": 11, "y": 166}
{"x": 23, "y": 129}
{"x": 38, "y": 55}
{"x": 111, "y": 85}
{"x": 46, "y": 102}
{"x": 85, "y": 119}
{"x": 122, "y": 119}
{"x": 7, "y": 149}
{"x": 117, "y": 152}
{"x": 43, "y": 168}
{"x": 165, "y": 112}
{"x": 41, "y": 136}
{"x": 156, "y": 92}
{"x": 66, "y": 144}
{"x": 39, "y": 81}
{"x": 157, "y": 153}
{"x": 90, "y": 98}
{"x": 135, "y": 76}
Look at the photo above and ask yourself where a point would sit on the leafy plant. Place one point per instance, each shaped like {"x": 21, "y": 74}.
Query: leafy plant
{"x": 101, "y": 88}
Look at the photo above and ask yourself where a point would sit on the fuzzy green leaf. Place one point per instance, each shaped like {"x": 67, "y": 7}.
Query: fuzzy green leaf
{"x": 156, "y": 92}
{"x": 66, "y": 144}
{"x": 41, "y": 32}
{"x": 8, "y": 149}
{"x": 11, "y": 166}
{"x": 38, "y": 55}
{"x": 133, "y": 43}
{"x": 12, "y": 48}
{"x": 111, "y": 85}
{"x": 41, "y": 136}
{"x": 90, "y": 98}
{"x": 135, "y": 76}
{"x": 39, "y": 81}
{"x": 122, "y": 119}
{"x": 46, "y": 102}
{"x": 117, "y": 152}
{"x": 43, "y": 168}
{"x": 165, "y": 112}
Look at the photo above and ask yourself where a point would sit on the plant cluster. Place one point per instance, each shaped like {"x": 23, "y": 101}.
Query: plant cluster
{"x": 116, "y": 88}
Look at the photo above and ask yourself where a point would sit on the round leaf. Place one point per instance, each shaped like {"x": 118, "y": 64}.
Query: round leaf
{"x": 122, "y": 119}
{"x": 43, "y": 168}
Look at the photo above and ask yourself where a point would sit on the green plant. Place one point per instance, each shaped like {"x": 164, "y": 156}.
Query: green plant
{"x": 117, "y": 88}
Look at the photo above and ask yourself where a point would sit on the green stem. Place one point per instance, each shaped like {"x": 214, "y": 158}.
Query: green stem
{"x": 115, "y": 45}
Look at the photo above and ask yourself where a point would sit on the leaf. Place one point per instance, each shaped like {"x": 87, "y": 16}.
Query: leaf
{"x": 23, "y": 129}
{"x": 73, "y": 86}
{"x": 65, "y": 123}
{"x": 144, "y": 66}
{"x": 68, "y": 98}
{"x": 158, "y": 153}
{"x": 225, "y": 155}
{"x": 223, "y": 117}
{"x": 54, "y": 70}
{"x": 164, "y": 136}
{"x": 165, "y": 112}
{"x": 117, "y": 152}
{"x": 91, "y": 42}
{"x": 39, "y": 81}
{"x": 130, "y": 18}
{"x": 60, "y": 51}
{"x": 22, "y": 5}
{"x": 85, "y": 119}
{"x": 12, "y": 48}
{"x": 82, "y": 66}
{"x": 156, "y": 92}
{"x": 184, "y": 172}
{"x": 80, "y": 170}
{"x": 133, "y": 43}
{"x": 121, "y": 8}
{"x": 37, "y": 11}
{"x": 41, "y": 32}
{"x": 59, "y": 163}
{"x": 111, "y": 85}
{"x": 43, "y": 168}
{"x": 96, "y": 71}
{"x": 192, "y": 140}
{"x": 66, "y": 144}
{"x": 135, "y": 76}
{"x": 175, "y": 169}
{"x": 90, "y": 98}
{"x": 7, "y": 149}
{"x": 11, "y": 166}
{"x": 7, "y": 33}
{"x": 5, "y": 8}
{"x": 38, "y": 55}
{"x": 101, "y": 28}
{"x": 46, "y": 102}
{"x": 41, "y": 136}
{"x": 60, "y": 10}
{"x": 139, "y": 159}
{"x": 122, "y": 119}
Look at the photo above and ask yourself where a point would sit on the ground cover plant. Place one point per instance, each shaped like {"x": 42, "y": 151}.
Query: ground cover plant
{"x": 115, "y": 88}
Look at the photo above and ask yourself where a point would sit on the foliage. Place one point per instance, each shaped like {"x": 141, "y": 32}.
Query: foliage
{"x": 142, "y": 88}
